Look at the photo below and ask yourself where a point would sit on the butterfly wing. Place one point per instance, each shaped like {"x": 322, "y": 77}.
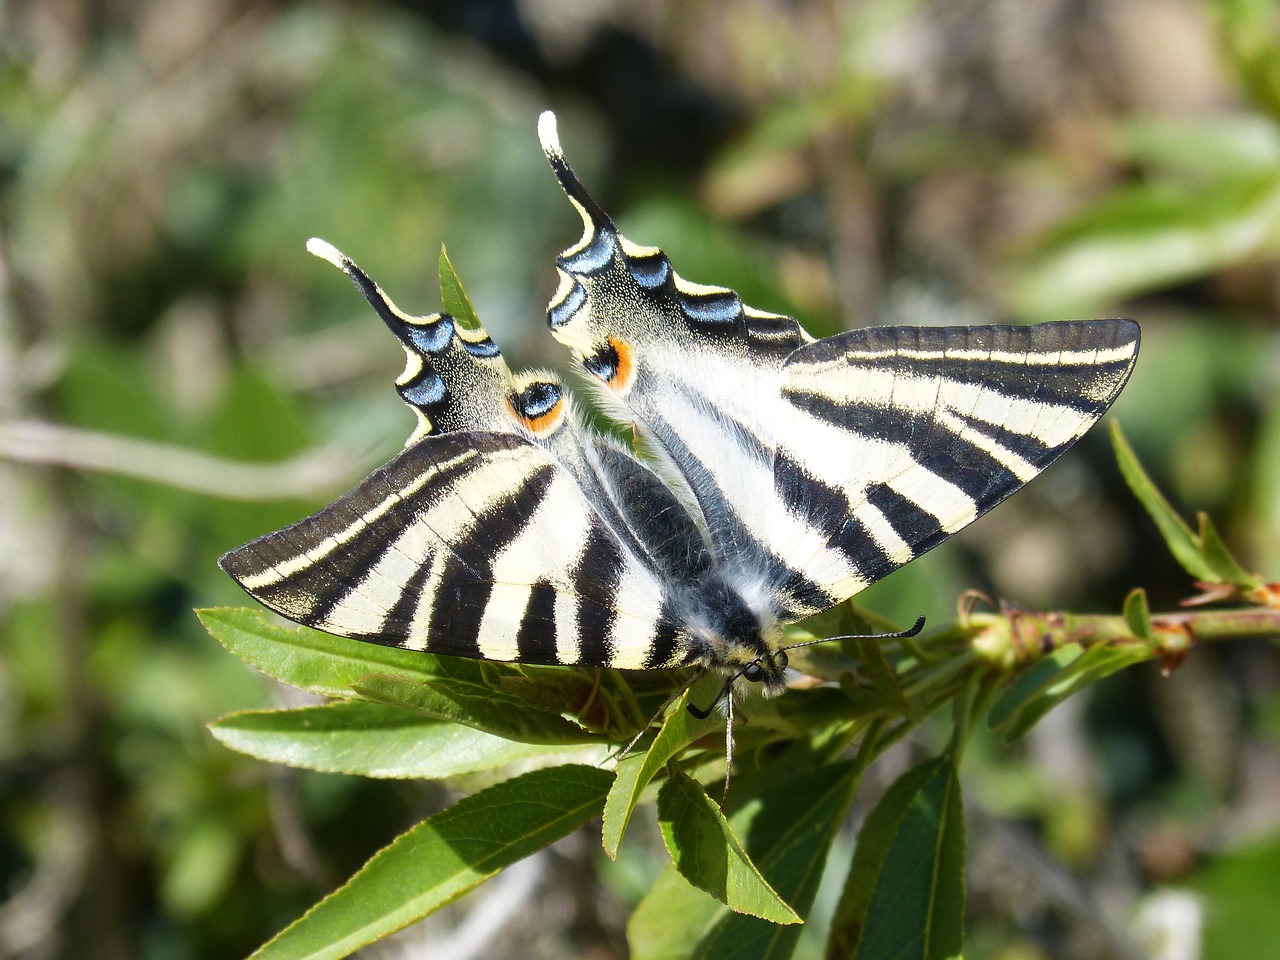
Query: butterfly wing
{"x": 898, "y": 437}
{"x": 473, "y": 544}
{"x": 504, "y": 530}
{"x": 818, "y": 467}
{"x": 699, "y": 372}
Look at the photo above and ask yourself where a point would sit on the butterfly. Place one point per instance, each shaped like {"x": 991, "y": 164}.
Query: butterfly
{"x": 773, "y": 475}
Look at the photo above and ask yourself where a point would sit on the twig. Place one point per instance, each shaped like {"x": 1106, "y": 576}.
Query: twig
{"x": 315, "y": 473}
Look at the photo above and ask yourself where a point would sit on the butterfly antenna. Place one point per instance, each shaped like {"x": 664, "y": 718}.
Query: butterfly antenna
{"x": 913, "y": 631}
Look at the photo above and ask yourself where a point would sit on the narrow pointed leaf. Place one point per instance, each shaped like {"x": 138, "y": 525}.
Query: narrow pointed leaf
{"x": 1137, "y": 614}
{"x": 493, "y": 712}
{"x": 442, "y": 858}
{"x": 1178, "y": 537}
{"x": 454, "y": 296}
{"x": 1217, "y": 556}
{"x": 320, "y": 663}
{"x": 787, "y": 831}
{"x": 636, "y": 770}
{"x": 705, "y": 850}
{"x": 373, "y": 740}
{"x": 1097, "y": 662}
{"x": 904, "y": 896}
{"x": 1032, "y": 684}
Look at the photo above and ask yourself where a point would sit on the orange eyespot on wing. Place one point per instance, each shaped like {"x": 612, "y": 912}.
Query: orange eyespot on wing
{"x": 614, "y": 364}
{"x": 538, "y": 406}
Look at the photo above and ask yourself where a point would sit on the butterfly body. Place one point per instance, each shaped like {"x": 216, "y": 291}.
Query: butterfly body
{"x": 774, "y": 475}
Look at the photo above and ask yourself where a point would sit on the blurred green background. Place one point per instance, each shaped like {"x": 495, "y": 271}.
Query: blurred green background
{"x": 178, "y": 376}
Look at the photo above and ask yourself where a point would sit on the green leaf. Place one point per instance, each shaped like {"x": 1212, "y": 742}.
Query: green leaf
{"x": 372, "y": 740}
{"x": 492, "y": 712}
{"x": 320, "y": 663}
{"x": 1220, "y": 559}
{"x": 1147, "y": 236}
{"x": 1032, "y": 684}
{"x": 603, "y": 703}
{"x": 442, "y": 858}
{"x": 1098, "y": 661}
{"x": 705, "y": 850}
{"x": 1182, "y": 543}
{"x": 1137, "y": 614}
{"x": 1228, "y": 145}
{"x": 787, "y": 830}
{"x": 904, "y": 896}
{"x": 454, "y": 297}
{"x": 636, "y": 770}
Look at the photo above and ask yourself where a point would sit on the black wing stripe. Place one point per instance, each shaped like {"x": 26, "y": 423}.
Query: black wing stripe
{"x": 917, "y": 527}
{"x": 599, "y": 565}
{"x": 461, "y": 597}
{"x": 972, "y": 469}
{"x": 536, "y": 638}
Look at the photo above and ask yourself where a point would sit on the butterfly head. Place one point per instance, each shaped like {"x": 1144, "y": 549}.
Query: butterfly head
{"x": 769, "y": 670}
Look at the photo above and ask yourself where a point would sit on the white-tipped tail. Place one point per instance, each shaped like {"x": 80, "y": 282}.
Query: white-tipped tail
{"x": 548, "y": 135}
{"x": 327, "y": 251}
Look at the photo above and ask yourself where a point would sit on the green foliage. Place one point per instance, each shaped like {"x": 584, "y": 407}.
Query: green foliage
{"x": 904, "y": 896}
{"x": 454, "y": 297}
{"x": 442, "y": 858}
{"x": 1202, "y": 555}
{"x": 705, "y": 851}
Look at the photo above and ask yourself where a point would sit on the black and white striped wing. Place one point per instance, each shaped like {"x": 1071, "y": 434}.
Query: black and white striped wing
{"x": 473, "y": 544}
{"x": 898, "y": 437}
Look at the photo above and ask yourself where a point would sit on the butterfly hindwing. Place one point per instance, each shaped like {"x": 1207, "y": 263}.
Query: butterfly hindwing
{"x": 820, "y": 466}
{"x": 698, "y": 371}
{"x": 495, "y": 533}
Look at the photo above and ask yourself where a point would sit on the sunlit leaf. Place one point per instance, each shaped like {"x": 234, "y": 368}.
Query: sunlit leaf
{"x": 1178, "y": 537}
{"x": 635, "y": 771}
{"x": 787, "y": 831}
{"x": 1032, "y": 684}
{"x": 442, "y": 858}
{"x": 320, "y": 663}
{"x": 1097, "y": 662}
{"x": 705, "y": 850}
{"x": 1137, "y": 614}
{"x": 1203, "y": 146}
{"x": 1219, "y": 557}
{"x": 1145, "y": 237}
{"x": 372, "y": 740}
{"x": 454, "y": 296}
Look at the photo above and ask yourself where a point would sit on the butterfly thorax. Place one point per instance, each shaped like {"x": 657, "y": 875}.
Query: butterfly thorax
{"x": 729, "y": 633}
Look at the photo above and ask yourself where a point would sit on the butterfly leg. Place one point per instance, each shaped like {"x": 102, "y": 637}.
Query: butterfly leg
{"x": 661, "y": 712}
{"x": 728, "y": 749}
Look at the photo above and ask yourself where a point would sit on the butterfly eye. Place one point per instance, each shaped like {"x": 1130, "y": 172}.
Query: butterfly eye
{"x": 781, "y": 659}
{"x": 753, "y": 672}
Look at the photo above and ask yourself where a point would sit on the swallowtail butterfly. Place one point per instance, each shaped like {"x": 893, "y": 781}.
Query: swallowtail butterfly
{"x": 779, "y": 474}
